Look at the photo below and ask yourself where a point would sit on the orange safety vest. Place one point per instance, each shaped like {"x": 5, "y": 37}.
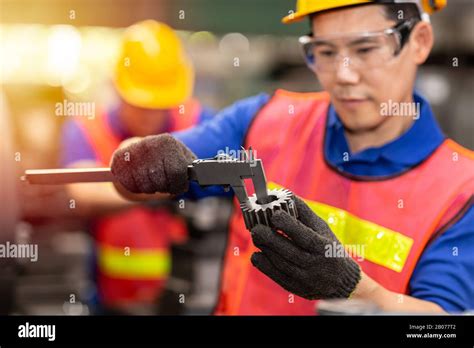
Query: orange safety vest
{"x": 133, "y": 259}
{"x": 392, "y": 219}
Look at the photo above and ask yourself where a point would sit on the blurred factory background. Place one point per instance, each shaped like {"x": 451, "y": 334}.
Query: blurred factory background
{"x": 52, "y": 50}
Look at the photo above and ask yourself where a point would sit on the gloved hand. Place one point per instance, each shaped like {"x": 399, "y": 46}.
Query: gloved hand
{"x": 157, "y": 163}
{"x": 299, "y": 264}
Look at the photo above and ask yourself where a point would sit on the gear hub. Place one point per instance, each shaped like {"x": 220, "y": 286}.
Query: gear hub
{"x": 256, "y": 212}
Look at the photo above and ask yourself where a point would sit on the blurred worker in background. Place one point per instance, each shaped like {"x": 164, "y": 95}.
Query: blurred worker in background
{"x": 367, "y": 156}
{"x": 154, "y": 79}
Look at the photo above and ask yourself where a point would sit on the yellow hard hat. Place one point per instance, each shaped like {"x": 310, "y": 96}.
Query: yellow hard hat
{"x": 306, "y": 7}
{"x": 153, "y": 71}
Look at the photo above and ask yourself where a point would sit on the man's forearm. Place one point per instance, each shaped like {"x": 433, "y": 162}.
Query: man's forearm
{"x": 389, "y": 301}
{"x": 95, "y": 199}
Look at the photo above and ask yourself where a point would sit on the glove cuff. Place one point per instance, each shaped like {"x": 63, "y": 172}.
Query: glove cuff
{"x": 348, "y": 279}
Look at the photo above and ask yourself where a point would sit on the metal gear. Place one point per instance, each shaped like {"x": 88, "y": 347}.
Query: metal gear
{"x": 255, "y": 213}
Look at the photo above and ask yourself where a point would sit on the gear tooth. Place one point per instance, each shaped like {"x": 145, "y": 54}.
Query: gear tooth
{"x": 262, "y": 218}
{"x": 268, "y": 217}
{"x": 250, "y": 221}
{"x": 254, "y": 213}
{"x": 255, "y": 220}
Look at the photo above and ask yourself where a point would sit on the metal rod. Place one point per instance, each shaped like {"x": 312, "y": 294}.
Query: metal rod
{"x": 67, "y": 176}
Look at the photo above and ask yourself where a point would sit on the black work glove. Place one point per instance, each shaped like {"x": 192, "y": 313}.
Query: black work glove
{"x": 157, "y": 163}
{"x": 298, "y": 263}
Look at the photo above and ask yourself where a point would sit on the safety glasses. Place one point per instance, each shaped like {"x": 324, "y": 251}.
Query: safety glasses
{"x": 360, "y": 51}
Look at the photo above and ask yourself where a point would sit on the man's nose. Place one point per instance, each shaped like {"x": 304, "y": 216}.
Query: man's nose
{"x": 345, "y": 72}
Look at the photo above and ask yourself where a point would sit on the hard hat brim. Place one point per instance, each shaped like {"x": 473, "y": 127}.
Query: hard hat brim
{"x": 321, "y": 6}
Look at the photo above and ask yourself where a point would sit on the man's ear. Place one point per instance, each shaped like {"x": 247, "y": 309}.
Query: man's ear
{"x": 421, "y": 42}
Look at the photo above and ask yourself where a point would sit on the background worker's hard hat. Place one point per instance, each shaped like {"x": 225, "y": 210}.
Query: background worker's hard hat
{"x": 307, "y": 7}
{"x": 153, "y": 70}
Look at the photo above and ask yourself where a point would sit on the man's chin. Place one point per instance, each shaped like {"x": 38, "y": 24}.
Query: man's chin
{"x": 360, "y": 123}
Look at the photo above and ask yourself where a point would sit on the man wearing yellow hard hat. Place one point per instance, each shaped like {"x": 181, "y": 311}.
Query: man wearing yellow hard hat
{"x": 385, "y": 209}
{"x": 154, "y": 79}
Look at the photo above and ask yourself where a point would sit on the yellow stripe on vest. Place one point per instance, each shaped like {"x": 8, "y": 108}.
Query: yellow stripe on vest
{"x": 135, "y": 264}
{"x": 382, "y": 246}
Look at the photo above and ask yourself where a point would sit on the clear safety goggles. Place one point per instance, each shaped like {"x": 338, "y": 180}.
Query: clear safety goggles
{"x": 360, "y": 51}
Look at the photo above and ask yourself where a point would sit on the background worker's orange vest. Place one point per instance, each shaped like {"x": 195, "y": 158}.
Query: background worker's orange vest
{"x": 133, "y": 246}
{"x": 392, "y": 218}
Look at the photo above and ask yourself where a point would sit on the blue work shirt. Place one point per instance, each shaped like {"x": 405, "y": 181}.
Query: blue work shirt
{"x": 439, "y": 276}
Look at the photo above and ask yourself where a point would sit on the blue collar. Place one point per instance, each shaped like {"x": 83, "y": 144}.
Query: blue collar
{"x": 397, "y": 156}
